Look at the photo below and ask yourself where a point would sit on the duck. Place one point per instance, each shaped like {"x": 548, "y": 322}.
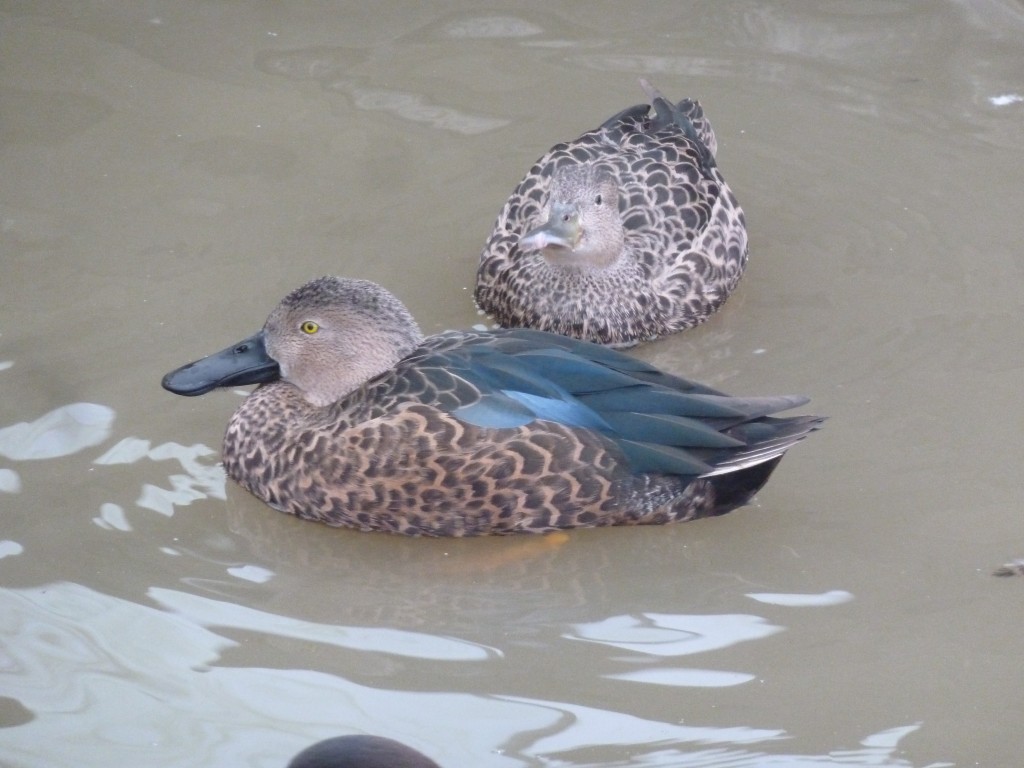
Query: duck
{"x": 623, "y": 235}
{"x": 360, "y": 751}
{"x": 362, "y": 421}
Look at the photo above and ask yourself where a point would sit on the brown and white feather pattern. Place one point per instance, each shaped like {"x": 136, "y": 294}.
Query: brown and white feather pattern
{"x": 467, "y": 433}
{"x": 392, "y": 456}
{"x": 685, "y": 237}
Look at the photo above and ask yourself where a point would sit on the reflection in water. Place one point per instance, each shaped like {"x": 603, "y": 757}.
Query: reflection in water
{"x": 110, "y": 682}
{"x": 655, "y": 66}
{"x": 670, "y": 635}
{"x": 61, "y": 432}
{"x": 491, "y": 27}
{"x": 112, "y": 518}
{"x": 329, "y": 66}
{"x": 663, "y": 635}
{"x": 9, "y": 548}
{"x": 414, "y": 107}
{"x": 314, "y": 63}
{"x": 591, "y": 728}
{"x": 677, "y": 676}
{"x": 206, "y": 612}
{"x": 832, "y": 597}
{"x": 203, "y": 481}
{"x": 253, "y": 573}
{"x": 10, "y": 482}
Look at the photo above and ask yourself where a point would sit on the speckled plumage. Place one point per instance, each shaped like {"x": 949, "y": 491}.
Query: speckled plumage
{"x": 684, "y": 238}
{"x": 467, "y": 433}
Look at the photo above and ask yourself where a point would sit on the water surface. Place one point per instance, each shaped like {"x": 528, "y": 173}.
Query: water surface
{"x": 168, "y": 171}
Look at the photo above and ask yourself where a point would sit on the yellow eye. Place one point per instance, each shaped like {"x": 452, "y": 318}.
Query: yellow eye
{"x": 309, "y": 327}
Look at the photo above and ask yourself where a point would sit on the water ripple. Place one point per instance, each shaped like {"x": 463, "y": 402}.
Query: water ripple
{"x": 832, "y": 597}
{"x": 104, "y": 681}
{"x": 660, "y": 634}
{"x": 10, "y": 481}
{"x": 9, "y": 548}
{"x": 207, "y": 612}
{"x": 201, "y": 481}
{"x": 61, "y": 432}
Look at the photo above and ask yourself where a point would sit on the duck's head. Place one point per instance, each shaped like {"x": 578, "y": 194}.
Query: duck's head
{"x": 325, "y": 338}
{"x": 583, "y": 227}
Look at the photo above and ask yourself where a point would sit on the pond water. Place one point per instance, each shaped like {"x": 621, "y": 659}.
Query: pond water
{"x": 168, "y": 171}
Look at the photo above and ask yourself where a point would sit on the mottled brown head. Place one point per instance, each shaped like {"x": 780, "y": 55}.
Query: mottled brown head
{"x": 333, "y": 334}
{"x": 583, "y": 227}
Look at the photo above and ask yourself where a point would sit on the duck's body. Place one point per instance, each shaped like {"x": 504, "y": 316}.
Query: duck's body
{"x": 475, "y": 433}
{"x": 662, "y": 248}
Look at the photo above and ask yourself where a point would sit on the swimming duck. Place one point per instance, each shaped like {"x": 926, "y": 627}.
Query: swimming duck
{"x": 360, "y": 751}
{"x": 363, "y": 422}
{"x": 625, "y": 234}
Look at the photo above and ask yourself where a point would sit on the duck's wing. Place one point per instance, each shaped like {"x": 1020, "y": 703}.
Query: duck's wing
{"x": 661, "y": 423}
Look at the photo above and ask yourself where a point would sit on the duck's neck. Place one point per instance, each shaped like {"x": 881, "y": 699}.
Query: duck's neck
{"x": 569, "y": 265}
{"x": 612, "y": 252}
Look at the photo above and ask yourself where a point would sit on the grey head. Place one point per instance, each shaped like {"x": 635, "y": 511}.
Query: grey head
{"x": 333, "y": 334}
{"x": 583, "y": 226}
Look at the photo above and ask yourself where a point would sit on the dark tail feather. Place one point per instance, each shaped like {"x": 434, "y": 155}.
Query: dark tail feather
{"x": 769, "y": 439}
{"x": 667, "y": 113}
{"x": 738, "y": 488}
{"x": 744, "y": 474}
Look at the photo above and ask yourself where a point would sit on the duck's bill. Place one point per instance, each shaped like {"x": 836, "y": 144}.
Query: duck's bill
{"x": 555, "y": 234}
{"x": 246, "y": 362}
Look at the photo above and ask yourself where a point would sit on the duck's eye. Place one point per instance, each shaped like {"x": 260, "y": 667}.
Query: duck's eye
{"x": 598, "y": 200}
{"x": 309, "y": 327}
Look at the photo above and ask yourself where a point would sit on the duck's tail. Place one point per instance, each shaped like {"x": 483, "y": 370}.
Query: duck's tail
{"x": 688, "y": 117}
{"x": 744, "y": 473}
{"x": 767, "y": 440}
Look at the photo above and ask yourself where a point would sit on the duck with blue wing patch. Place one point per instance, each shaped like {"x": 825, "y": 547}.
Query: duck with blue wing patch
{"x": 362, "y": 422}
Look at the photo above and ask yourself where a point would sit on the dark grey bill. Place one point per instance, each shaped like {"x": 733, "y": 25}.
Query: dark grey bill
{"x": 246, "y": 362}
